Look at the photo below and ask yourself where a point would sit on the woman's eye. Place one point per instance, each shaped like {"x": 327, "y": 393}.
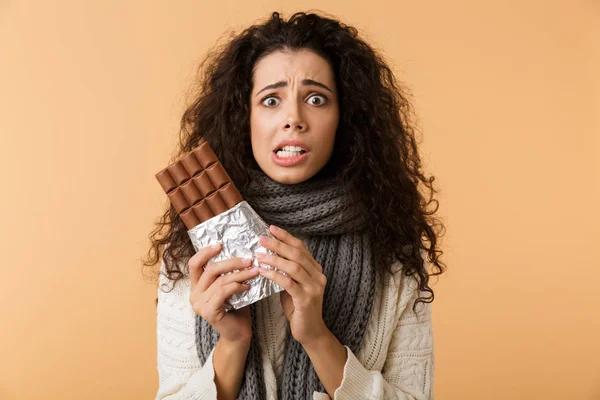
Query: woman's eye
{"x": 317, "y": 100}
{"x": 270, "y": 101}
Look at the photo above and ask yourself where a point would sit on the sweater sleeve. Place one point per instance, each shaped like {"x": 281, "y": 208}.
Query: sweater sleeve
{"x": 407, "y": 373}
{"x": 180, "y": 374}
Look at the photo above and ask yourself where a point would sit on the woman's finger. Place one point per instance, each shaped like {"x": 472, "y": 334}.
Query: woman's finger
{"x": 293, "y": 269}
{"x": 289, "y": 252}
{"x": 197, "y": 261}
{"x": 240, "y": 276}
{"x": 214, "y": 270}
{"x": 218, "y": 298}
{"x": 289, "y": 239}
{"x": 284, "y": 281}
{"x": 223, "y": 280}
{"x": 293, "y": 241}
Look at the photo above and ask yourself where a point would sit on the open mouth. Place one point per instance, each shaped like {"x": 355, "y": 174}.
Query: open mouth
{"x": 281, "y": 151}
{"x": 286, "y": 158}
{"x": 289, "y": 151}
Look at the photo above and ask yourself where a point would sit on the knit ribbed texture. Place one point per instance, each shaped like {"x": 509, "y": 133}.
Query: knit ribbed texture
{"x": 318, "y": 211}
{"x": 395, "y": 360}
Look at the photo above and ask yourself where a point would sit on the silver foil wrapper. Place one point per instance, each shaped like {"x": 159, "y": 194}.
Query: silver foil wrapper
{"x": 238, "y": 230}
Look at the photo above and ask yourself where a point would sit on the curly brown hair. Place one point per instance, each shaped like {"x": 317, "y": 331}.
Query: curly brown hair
{"x": 375, "y": 157}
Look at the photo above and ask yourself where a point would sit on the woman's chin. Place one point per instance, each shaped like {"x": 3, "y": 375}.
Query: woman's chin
{"x": 289, "y": 176}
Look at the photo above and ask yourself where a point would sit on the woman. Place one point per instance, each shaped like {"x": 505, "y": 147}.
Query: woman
{"x": 311, "y": 125}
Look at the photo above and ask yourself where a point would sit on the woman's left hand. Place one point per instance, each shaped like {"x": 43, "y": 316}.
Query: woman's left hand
{"x": 302, "y": 299}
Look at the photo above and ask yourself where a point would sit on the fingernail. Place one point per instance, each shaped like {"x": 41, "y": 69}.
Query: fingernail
{"x": 274, "y": 229}
{"x": 246, "y": 261}
{"x": 261, "y": 256}
{"x": 215, "y": 246}
{"x": 264, "y": 240}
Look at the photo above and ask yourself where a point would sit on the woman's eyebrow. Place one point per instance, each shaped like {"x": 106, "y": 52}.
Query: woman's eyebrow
{"x": 305, "y": 82}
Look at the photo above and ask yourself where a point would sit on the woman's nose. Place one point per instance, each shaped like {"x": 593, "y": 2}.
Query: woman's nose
{"x": 298, "y": 126}
{"x": 294, "y": 120}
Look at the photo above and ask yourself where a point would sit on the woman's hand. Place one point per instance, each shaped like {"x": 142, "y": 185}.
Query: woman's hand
{"x": 209, "y": 291}
{"x": 302, "y": 300}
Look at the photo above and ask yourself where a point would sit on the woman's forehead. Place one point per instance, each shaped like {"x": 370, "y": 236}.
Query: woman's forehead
{"x": 288, "y": 65}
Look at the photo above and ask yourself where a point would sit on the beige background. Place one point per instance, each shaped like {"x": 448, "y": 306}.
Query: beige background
{"x": 507, "y": 95}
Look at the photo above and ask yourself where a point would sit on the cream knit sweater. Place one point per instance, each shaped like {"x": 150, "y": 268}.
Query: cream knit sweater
{"x": 395, "y": 361}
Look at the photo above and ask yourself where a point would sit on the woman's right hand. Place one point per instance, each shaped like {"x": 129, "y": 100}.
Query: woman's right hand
{"x": 209, "y": 291}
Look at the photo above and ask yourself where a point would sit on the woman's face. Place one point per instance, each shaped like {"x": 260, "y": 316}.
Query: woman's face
{"x": 294, "y": 99}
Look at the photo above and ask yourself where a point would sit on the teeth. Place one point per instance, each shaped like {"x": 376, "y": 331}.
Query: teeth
{"x": 291, "y": 148}
{"x": 284, "y": 154}
{"x": 290, "y": 151}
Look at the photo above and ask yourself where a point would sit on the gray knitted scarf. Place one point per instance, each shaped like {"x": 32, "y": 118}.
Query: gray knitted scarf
{"x": 316, "y": 210}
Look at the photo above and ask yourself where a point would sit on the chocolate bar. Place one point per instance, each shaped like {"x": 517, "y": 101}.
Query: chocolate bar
{"x": 214, "y": 211}
{"x": 198, "y": 186}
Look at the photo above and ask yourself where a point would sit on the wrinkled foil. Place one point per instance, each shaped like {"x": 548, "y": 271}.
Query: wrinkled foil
{"x": 238, "y": 230}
